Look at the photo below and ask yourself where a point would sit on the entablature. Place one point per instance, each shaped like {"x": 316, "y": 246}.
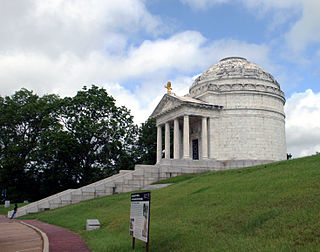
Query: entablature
{"x": 183, "y": 110}
{"x": 172, "y": 105}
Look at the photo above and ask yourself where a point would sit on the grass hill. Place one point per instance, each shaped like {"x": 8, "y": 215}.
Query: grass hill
{"x": 274, "y": 207}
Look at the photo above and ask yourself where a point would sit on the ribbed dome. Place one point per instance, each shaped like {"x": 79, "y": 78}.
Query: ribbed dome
{"x": 232, "y": 68}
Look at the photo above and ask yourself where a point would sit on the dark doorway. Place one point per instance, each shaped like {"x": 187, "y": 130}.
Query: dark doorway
{"x": 195, "y": 149}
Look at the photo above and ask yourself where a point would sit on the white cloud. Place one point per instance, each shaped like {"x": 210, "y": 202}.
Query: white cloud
{"x": 55, "y": 26}
{"x": 151, "y": 64}
{"x": 303, "y": 123}
{"x": 55, "y": 46}
{"x": 306, "y": 30}
{"x": 187, "y": 52}
{"x": 128, "y": 99}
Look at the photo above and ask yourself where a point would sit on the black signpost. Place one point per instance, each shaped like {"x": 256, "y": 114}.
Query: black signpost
{"x": 140, "y": 217}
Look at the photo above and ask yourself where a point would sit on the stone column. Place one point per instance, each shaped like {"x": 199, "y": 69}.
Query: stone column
{"x": 159, "y": 143}
{"x": 204, "y": 138}
{"x": 167, "y": 141}
{"x": 176, "y": 142}
{"x": 209, "y": 136}
{"x": 186, "y": 144}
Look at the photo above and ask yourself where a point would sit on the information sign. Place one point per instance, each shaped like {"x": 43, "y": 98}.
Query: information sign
{"x": 140, "y": 216}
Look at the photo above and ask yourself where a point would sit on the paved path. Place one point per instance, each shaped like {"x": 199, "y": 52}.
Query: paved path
{"x": 60, "y": 239}
{"x": 16, "y": 237}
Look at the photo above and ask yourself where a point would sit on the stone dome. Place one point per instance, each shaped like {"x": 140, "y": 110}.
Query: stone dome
{"x": 234, "y": 70}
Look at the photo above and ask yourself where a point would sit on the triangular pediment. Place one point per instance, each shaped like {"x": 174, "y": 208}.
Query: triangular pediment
{"x": 167, "y": 103}
{"x": 170, "y": 102}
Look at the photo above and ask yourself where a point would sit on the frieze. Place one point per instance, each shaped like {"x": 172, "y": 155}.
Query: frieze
{"x": 236, "y": 87}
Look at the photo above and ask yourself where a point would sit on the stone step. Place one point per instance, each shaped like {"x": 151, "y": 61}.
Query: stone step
{"x": 124, "y": 181}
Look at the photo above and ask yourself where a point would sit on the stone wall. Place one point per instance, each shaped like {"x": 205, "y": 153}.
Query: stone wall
{"x": 251, "y": 125}
{"x": 245, "y": 137}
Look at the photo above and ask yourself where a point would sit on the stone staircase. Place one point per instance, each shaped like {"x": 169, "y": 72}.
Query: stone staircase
{"x": 124, "y": 181}
{"x": 132, "y": 180}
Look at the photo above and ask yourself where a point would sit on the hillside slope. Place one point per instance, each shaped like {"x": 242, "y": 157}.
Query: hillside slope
{"x": 273, "y": 207}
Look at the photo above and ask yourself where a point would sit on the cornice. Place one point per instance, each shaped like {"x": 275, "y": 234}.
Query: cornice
{"x": 221, "y": 88}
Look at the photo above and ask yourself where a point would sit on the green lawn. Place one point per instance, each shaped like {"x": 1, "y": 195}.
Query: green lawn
{"x": 272, "y": 207}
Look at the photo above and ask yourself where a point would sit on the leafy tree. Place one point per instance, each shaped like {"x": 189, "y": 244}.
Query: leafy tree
{"x": 58, "y": 162}
{"x": 147, "y": 143}
{"x": 23, "y": 118}
{"x": 102, "y": 133}
{"x": 49, "y": 144}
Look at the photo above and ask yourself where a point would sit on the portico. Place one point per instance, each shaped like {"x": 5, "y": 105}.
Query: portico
{"x": 190, "y": 130}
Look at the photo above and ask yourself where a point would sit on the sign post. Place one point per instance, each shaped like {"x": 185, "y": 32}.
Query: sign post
{"x": 140, "y": 217}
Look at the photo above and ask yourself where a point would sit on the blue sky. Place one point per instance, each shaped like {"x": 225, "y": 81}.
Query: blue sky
{"x": 133, "y": 47}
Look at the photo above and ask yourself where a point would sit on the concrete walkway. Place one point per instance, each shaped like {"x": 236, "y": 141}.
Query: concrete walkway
{"x": 16, "y": 236}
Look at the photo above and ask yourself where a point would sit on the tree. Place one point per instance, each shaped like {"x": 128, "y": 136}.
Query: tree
{"x": 103, "y": 134}
{"x": 147, "y": 143}
{"x": 49, "y": 144}
{"x": 95, "y": 140}
{"x": 58, "y": 162}
{"x": 23, "y": 118}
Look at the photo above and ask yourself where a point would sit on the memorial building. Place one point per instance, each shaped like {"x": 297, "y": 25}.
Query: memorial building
{"x": 232, "y": 117}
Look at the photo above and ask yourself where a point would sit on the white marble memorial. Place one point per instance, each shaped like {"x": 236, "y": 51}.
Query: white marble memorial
{"x": 233, "y": 115}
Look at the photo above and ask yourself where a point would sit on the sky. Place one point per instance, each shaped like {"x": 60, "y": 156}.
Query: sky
{"x": 133, "y": 47}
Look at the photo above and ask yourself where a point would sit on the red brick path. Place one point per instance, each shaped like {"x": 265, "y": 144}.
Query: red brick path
{"x": 60, "y": 239}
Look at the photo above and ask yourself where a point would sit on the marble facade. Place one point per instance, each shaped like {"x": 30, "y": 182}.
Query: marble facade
{"x": 233, "y": 112}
